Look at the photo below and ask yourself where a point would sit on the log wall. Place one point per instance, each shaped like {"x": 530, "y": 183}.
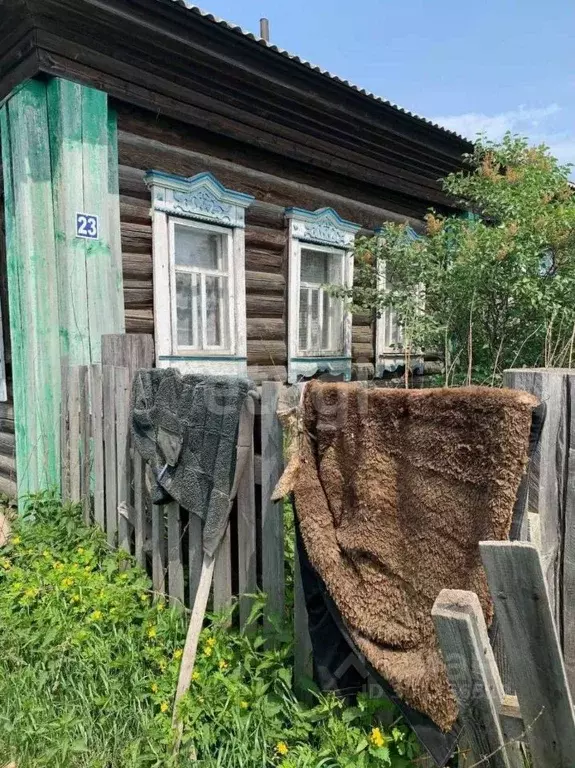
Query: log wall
{"x": 147, "y": 143}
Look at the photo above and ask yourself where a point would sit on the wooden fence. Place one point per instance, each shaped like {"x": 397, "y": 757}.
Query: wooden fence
{"x": 541, "y": 713}
{"x": 107, "y": 476}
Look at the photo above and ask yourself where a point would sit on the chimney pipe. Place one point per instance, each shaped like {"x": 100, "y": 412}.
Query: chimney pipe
{"x": 265, "y": 30}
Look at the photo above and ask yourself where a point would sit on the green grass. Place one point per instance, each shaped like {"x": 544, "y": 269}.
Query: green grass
{"x": 89, "y": 664}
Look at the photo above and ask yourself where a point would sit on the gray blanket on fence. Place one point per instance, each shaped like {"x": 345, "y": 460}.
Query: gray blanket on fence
{"x": 186, "y": 429}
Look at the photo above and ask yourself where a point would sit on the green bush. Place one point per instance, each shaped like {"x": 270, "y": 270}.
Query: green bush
{"x": 89, "y": 664}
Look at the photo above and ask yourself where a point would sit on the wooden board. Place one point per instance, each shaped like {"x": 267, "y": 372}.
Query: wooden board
{"x": 175, "y": 563}
{"x": 98, "y": 443}
{"x": 247, "y": 555}
{"x": 109, "y": 410}
{"x": 545, "y": 476}
{"x": 518, "y": 588}
{"x": 464, "y": 643}
{"x": 273, "y": 579}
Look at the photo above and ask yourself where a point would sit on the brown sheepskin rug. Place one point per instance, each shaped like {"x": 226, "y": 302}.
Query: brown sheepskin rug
{"x": 394, "y": 491}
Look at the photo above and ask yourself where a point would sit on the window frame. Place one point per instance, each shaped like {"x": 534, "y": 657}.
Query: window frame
{"x": 339, "y": 253}
{"x": 177, "y": 349}
{"x": 200, "y": 202}
{"x": 322, "y": 230}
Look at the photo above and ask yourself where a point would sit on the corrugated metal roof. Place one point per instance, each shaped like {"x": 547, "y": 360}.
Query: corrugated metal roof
{"x": 292, "y": 57}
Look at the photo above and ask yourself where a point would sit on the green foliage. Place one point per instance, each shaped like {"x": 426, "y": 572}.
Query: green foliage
{"x": 499, "y": 280}
{"x": 89, "y": 665}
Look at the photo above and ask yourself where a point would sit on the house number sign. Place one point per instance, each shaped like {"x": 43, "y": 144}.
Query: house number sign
{"x": 87, "y": 226}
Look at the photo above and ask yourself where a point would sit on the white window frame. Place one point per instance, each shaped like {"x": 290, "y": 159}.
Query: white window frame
{"x": 337, "y": 253}
{"x": 202, "y": 348}
{"x": 200, "y": 202}
{"x": 324, "y": 231}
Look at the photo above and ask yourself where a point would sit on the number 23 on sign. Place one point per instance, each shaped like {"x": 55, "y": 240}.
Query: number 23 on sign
{"x": 87, "y": 226}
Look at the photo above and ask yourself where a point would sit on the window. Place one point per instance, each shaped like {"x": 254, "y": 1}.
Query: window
{"x": 319, "y": 326}
{"x": 199, "y": 274}
{"x": 203, "y": 287}
{"x": 320, "y": 315}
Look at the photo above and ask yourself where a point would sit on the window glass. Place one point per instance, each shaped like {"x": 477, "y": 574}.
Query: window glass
{"x": 202, "y": 303}
{"x": 320, "y": 315}
{"x": 200, "y": 249}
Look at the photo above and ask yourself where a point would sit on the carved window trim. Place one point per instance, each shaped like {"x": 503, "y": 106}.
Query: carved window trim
{"x": 327, "y": 229}
{"x": 203, "y": 202}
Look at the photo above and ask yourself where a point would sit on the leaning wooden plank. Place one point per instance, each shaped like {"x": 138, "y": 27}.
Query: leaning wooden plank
{"x": 247, "y": 557}
{"x": 158, "y": 550}
{"x": 175, "y": 564}
{"x": 74, "y": 431}
{"x": 471, "y": 668}
{"x": 273, "y": 577}
{"x": 569, "y": 537}
{"x": 223, "y": 573}
{"x": 97, "y": 443}
{"x": 109, "y": 409}
{"x": 122, "y": 456}
{"x": 85, "y": 435}
{"x": 519, "y": 592}
{"x": 191, "y": 645}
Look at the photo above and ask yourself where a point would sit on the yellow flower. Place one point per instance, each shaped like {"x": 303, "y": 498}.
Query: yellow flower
{"x": 6, "y": 564}
{"x": 282, "y": 748}
{"x": 32, "y": 592}
{"x": 96, "y": 615}
{"x": 144, "y": 598}
{"x": 46, "y": 553}
{"x": 57, "y": 566}
{"x": 154, "y": 687}
{"x": 80, "y": 550}
{"x": 377, "y": 738}
{"x": 208, "y": 650}
{"x": 16, "y": 540}
{"x": 76, "y": 598}
{"x": 196, "y": 676}
{"x": 162, "y": 665}
{"x": 223, "y": 664}
{"x": 87, "y": 568}
{"x": 152, "y": 632}
{"x": 178, "y": 654}
{"x": 164, "y": 706}
{"x": 210, "y": 642}
{"x": 67, "y": 582}
{"x": 161, "y": 606}
{"x": 244, "y": 704}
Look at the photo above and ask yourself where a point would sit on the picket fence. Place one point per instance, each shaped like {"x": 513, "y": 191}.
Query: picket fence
{"x": 105, "y": 474}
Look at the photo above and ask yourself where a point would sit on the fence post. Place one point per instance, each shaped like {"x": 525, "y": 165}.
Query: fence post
{"x": 522, "y": 607}
{"x": 122, "y": 403}
{"x": 272, "y": 539}
{"x": 472, "y": 671}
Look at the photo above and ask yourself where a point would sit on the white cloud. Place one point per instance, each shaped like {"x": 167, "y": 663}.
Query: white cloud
{"x": 538, "y": 124}
{"x": 521, "y": 120}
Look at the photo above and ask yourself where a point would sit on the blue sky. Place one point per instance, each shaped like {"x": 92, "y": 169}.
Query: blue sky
{"x": 492, "y": 65}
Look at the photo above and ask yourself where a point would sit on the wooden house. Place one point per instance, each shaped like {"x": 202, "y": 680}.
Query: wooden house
{"x": 165, "y": 172}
